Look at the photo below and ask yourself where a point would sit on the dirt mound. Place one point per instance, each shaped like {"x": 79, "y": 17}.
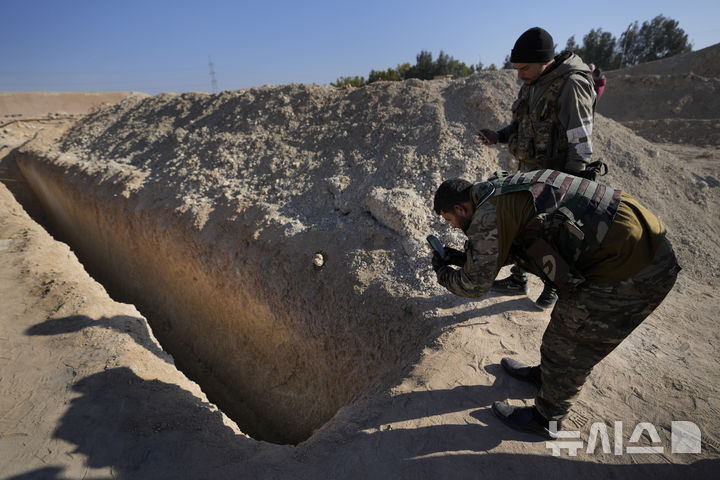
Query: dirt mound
{"x": 687, "y": 131}
{"x": 330, "y": 156}
{"x": 655, "y": 97}
{"x": 262, "y": 182}
{"x": 703, "y": 63}
{"x": 674, "y": 100}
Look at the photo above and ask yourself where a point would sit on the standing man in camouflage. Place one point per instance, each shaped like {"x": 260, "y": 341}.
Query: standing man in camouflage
{"x": 551, "y": 126}
{"x": 605, "y": 253}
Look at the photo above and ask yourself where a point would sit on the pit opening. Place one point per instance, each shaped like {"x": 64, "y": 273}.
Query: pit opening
{"x": 278, "y": 341}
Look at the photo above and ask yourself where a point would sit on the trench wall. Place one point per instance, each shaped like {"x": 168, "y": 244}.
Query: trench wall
{"x": 278, "y": 343}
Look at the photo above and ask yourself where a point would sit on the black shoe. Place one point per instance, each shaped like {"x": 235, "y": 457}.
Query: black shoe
{"x": 510, "y": 286}
{"x": 547, "y": 298}
{"x": 524, "y": 419}
{"x": 523, "y": 372}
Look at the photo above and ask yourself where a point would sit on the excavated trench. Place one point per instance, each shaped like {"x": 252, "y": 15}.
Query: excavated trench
{"x": 277, "y": 341}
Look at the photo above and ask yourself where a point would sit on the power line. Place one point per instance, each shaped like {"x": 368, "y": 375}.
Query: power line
{"x": 213, "y": 80}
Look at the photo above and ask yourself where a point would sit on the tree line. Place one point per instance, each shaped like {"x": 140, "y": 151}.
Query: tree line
{"x": 425, "y": 68}
{"x": 658, "y": 38}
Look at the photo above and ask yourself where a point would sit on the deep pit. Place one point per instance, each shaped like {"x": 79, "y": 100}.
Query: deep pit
{"x": 259, "y": 334}
{"x": 207, "y": 212}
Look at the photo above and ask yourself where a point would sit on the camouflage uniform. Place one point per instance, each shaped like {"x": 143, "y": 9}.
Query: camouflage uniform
{"x": 588, "y": 324}
{"x": 552, "y": 123}
{"x": 591, "y": 317}
{"x": 553, "y": 118}
{"x": 475, "y": 278}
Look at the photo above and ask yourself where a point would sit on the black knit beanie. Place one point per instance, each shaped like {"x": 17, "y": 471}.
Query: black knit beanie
{"x": 533, "y": 46}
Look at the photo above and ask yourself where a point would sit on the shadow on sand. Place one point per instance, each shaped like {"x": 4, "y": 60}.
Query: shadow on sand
{"x": 135, "y": 327}
{"x": 144, "y": 429}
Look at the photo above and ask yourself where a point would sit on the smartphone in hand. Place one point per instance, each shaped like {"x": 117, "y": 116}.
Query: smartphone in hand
{"x": 484, "y": 137}
{"x": 437, "y": 246}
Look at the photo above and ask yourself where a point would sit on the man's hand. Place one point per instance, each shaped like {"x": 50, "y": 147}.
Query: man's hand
{"x": 487, "y": 136}
{"x": 455, "y": 256}
{"x": 438, "y": 262}
{"x": 452, "y": 257}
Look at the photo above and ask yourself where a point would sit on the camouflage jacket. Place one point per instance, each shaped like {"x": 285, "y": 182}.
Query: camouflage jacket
{"x": 481, "y": 252}
{"x": 553, "y": 118}
{"x": 571, "y": 216}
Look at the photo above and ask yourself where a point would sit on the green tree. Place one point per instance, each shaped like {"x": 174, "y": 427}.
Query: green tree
{"x": 460, "y": 70}
{"x": 426, "y": 68}
{"x": 572, "y": 45}
{"x": 388, "y": 75}
{"x": 660, "y": 38}
{"x": 599, "y": 48}
{"x": 403, "y": 69}
{"x": 508, "y": 64}
{"x": 423, "y": 68}
{"x": 349, "y": 81}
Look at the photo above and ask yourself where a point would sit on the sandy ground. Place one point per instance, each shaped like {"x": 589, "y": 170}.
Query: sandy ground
{"x": 86, "y": 391}
{"x": 14, "y": 105}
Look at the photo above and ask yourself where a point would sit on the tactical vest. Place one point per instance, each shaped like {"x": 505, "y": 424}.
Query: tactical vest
{"x": 541, "y": 141}
{"x": 573, "y": 215}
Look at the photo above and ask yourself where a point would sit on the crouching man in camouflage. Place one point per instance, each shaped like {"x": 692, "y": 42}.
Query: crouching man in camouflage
{"x": 606, "y": 254}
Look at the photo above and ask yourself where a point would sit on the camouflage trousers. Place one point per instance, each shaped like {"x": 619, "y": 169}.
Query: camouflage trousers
{"x": 589, "y": 322}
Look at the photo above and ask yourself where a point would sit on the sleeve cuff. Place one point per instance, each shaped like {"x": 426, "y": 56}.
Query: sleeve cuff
{"x": 502, "y": 136}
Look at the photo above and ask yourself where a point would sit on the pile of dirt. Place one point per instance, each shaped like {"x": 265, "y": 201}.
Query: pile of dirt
{"x": 274, "y": 238}
{"x": 703, "y": 63}
{"x": 674, "y": 100}
{"x": 309, "y": 157}
{"x": 245, "y": 190}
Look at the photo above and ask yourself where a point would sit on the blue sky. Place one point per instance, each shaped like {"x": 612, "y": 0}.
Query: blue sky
{"x": 165, "y": 46}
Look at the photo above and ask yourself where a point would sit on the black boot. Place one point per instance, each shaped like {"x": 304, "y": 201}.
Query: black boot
{"x": 523, "y": 372}
{"x": 547, "y": 298}
{"x": 511, "y": 285}
{"x": 524, "y": 419}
